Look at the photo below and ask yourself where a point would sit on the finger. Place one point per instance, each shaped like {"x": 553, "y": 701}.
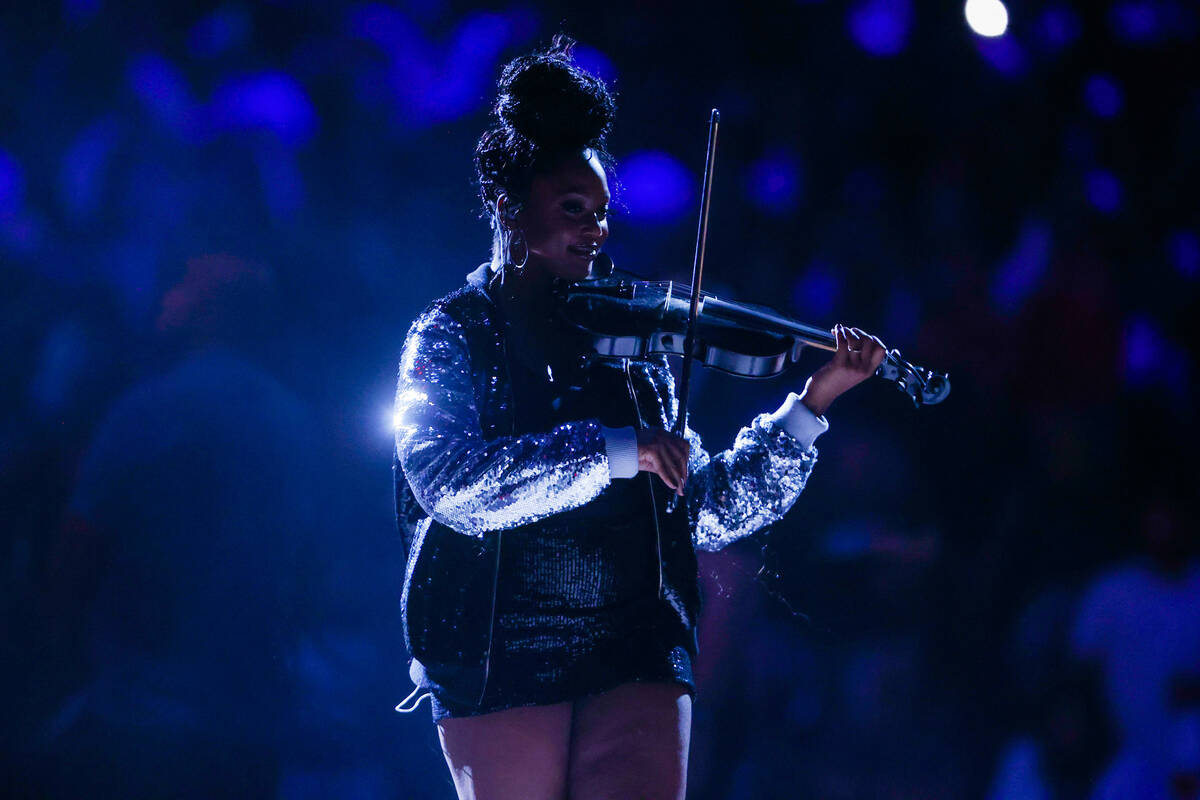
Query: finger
{"x": 682, "y": 449}
{"x": 680, "y": 475}
{"x": 661, "y": 462}
{"x": 682, "y": 465}
{"x": 839, "y": 336}
{"x": 856, "y": 339}
{"x": 674, "y": 474}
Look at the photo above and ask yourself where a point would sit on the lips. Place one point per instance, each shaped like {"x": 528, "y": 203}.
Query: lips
{"x": 584, "y": 250}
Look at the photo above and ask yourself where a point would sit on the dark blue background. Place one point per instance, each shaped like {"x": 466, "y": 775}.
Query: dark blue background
{"x": 216, "y": 223}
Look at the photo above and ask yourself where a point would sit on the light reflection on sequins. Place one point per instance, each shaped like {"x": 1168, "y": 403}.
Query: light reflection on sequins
{"x": 476, "y": 483}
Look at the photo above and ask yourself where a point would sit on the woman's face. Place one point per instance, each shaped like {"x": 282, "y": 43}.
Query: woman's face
{"x": 565, "y": 221}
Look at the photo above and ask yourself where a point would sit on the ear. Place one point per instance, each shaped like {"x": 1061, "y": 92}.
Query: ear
{"x": 506, "y": 210}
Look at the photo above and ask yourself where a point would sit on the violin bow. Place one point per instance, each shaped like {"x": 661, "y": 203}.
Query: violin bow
{"x": 697, "y": 273}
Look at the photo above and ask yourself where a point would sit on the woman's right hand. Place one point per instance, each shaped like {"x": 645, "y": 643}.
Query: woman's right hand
{"x": 664, "y": 454}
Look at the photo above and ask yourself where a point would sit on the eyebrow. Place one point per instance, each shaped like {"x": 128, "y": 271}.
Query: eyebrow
{"x": 573, "y": 189}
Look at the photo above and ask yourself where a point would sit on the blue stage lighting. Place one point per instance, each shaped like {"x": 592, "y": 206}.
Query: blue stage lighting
{"x": 1057, "y": 28}
{"x": 219, "y": 31}
{"x": 85, "y": 168}
{"x": 1022, "y": 271}
{"x": 1004, "y": 54}
{"x": 595, "y": 62}
{"x": 1138, "y": 21}
{"x": 881, "y": 27}
{"x": 986, "y": 17}
{"x": 1184, "y": 250}
{"x": 264, "y": 102}
{"x": 1104, "y": 191}
{"x": 817, "y": 291}
{"x": 12, "y": 185}
{"x": 902, "y": 314}
{"x": 1104, "y": 96}
{"x": 161, "y": 87}
{"x": 657, "y": 187}
{"x": 774, "y": 182}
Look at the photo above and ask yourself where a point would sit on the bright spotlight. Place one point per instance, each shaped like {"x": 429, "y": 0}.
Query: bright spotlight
{"x": 987, "y": 17}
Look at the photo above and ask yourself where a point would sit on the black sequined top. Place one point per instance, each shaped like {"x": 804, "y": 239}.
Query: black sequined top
{"x": 534, "y": 577}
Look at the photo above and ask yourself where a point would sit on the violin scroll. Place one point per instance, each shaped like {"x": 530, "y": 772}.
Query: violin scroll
{"x": 923, "y": 386}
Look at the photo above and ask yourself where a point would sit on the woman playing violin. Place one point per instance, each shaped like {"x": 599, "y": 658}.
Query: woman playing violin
{"x": 550, "y": 598}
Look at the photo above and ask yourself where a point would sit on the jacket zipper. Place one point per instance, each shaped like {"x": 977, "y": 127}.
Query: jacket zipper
{"x": 649, "y": 480}
{"x": 487, "y": 662}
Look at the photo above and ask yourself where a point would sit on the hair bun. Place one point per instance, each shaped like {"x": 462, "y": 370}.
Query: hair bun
{"x": 551, "y": 102}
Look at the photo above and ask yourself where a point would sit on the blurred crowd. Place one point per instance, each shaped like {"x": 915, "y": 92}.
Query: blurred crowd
{"x": 218, "y": 220}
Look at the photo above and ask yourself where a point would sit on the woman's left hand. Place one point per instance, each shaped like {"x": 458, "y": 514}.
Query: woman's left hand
{"x": 858, "y": 355}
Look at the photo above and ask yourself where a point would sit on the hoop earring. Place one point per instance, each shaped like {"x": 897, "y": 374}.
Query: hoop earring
{"x": 518, "y": 236}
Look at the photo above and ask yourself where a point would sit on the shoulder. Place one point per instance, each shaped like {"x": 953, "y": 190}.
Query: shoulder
{"x": 450, "y": 333}
{"x": 463, "y": 311}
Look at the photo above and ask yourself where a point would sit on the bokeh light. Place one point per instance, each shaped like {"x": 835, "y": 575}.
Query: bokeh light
{"x": 1138, "y": 21}
{"x": 85, "y": 167}
{"x": 1104, "y": 96}
{"x": 1057, "y": 28}
{"x": 595, "y": 62}
{"x": 222, "y": 30}
{"x": 816, "y": 292}
{"x": 902, "y": 314}
{"x": 1018, "y": 276}
{"x": 1183, "y": 248}
{"x": 268, "y": 102}
{"x": 12, "y": 186}
{"x": 1004, "y": 54}
{"x": 775, "y": 182}
{"x": 161, "y": 87}
{"x": 1151, "y": 358}
{"x": 986, "y": 17}
{"x": 1104, "y": 191}
{"x": 656, "y": 186}
{"x": 881, "y": 27}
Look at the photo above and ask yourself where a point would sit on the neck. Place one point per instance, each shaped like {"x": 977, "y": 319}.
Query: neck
{"x": 526, "y": 292}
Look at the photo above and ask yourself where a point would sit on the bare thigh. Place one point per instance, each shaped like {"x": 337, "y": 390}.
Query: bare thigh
{"x": 631, "y": 743}
{"x": 518, "y": 754}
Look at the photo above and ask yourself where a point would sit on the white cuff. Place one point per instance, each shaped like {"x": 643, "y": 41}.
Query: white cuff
{"x": 620, "y": 444}
{"x": 799, "y": 421}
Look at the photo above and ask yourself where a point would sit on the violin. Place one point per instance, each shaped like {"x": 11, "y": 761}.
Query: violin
{"x": 621, "y": 316}
{"x": 635, "y": 318}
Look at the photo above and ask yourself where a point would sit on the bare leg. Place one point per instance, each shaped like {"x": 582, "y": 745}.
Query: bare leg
{"x": 518, "y": 754}
{"x": 631, "y": 744}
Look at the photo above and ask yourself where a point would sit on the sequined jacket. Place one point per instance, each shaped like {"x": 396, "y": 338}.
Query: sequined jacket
{"x": 460, "y": 467}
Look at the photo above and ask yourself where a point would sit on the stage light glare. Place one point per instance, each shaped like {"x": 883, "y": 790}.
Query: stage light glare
{"x": 987, "y": 17}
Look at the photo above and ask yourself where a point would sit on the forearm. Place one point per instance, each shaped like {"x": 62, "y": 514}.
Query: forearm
{"x": 749, "y": 486}
{"x": 472, "y": 483}
{"x": 476, "y": 486}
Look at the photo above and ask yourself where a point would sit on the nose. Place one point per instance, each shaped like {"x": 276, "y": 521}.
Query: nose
{"x": 594, "y": 225}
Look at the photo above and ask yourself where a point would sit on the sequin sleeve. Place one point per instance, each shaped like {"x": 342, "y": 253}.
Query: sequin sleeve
{"x": 464, "y": 480}
{"x": 738, "y": 491}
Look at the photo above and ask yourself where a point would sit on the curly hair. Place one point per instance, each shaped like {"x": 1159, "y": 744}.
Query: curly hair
{"x": 546, "y": 108}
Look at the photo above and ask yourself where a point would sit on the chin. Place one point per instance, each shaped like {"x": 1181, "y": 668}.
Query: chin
{"x": 576, "y": 269}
